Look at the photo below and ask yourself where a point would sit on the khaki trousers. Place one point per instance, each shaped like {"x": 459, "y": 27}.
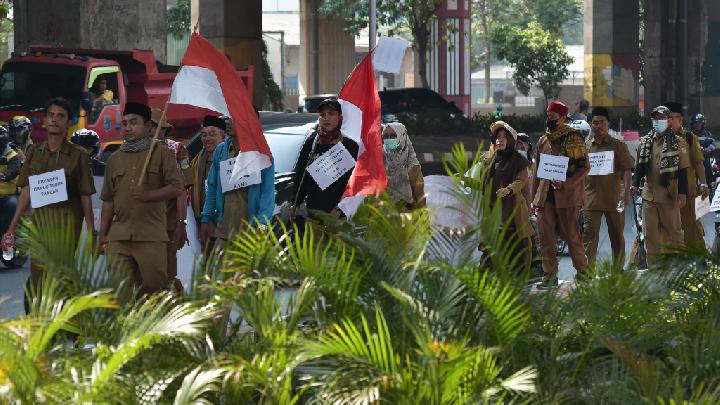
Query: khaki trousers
{"x": 662, "y": 227}
{"x": 563, "y": 222}
{"x": 172, "y": 263}
{"x": 591, "y": 234}
{"x": 692, "y": 228}
{"x": 141, "y": 262}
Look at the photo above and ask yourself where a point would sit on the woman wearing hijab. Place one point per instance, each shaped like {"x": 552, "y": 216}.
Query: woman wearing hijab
{"x": 507, "y": 176}
{"x": 405, "y": 180}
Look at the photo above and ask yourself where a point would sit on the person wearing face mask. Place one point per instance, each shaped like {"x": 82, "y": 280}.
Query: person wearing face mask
{"x": 693, "y": 231}
{"x": 557, "y": 204}
{"x": 406, "y": 185}
{"x": 662, "y": 162}
{"x": 326, "y": 135}
{"x": 507, "y": 176}
{"x": 602, "y": 191}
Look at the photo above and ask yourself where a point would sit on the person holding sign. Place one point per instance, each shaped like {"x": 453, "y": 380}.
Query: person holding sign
{"x": 610, "y": 163}
{"x": 133, "y": 218}
{"x": 334, "y": 157}
{"x": 559, "y": 194}
{"x": 231, "y": 206}
{"x": 56, "y": 178}
{"x": 507, "y": 175}
{"x": 662, "y": 163}
{"x": 693, "y": 230}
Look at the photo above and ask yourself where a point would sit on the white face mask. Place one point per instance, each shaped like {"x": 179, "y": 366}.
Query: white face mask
{"x": 660, "y": 125}
{"x": 523, "y": 153}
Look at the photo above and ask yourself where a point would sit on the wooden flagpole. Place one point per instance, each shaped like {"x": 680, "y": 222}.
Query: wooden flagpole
{"x": 141, "y": 179}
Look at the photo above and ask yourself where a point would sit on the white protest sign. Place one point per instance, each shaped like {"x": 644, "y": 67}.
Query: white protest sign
{"x": 553, "y": 167}
{"x": 715, "y": 205}
{"x": 47, "y": 188}
{"x": 389, "y": 54}
{"x": 702, "y": 206}
{"x": 329, "y": 167}
{"x": 601, "y": 163}
{"x": 226, "y": 168}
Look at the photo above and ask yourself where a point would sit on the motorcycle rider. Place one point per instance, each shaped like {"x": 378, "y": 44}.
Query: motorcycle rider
{"x": 10, "y": 164}
{"x": 707, "y": 144}
{"x": 88, "y": 139}
{"x": 20, "y": 129}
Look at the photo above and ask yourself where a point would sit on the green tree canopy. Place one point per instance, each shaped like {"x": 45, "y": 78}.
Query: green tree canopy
{"x": 537, "y": 55}
{"x": 177, "y": 19}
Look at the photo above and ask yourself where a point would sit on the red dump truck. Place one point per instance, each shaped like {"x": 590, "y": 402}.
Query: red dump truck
{"x": 29, "y": 79}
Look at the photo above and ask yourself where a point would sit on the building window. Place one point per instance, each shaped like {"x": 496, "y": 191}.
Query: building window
{"x": 291, "y": 85}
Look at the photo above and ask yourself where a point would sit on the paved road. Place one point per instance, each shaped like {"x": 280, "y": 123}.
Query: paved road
{"x": 12, "y": 281}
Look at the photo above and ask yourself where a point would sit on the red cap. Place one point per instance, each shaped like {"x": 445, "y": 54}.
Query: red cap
{"x": 558, "y": 107}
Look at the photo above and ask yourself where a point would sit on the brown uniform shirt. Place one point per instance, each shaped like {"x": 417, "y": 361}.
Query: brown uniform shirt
{"x": 195, "y": 176}
{"x": 572, "y": 194}
{"x": 653, "y": 190}
{"x": 135, "y": 220}
{"x": 602, "y": 192}
{"x": 78, "y": 175}
{"x": 696, "y": 156}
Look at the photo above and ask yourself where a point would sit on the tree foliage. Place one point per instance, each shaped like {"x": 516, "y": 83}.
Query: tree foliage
{"x": 538, "y": 57}
{"x": 177, "y": 19}
{"x": 273, "y": 100}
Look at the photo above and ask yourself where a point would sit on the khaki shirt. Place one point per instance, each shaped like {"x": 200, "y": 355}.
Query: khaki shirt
{"x": 602, "y": 193}
{"x": 572, "y": 194}
{"x": 78, "y": 175}
{"x": 195, "y": 179}
{"x": 696, "y": 156}
{"x": 134, "y": 220}
{"x": 653, "y": 190}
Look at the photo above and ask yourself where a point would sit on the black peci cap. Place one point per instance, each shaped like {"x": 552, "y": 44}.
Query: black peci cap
{"x": 213, "y": 121}
{"x": 674, "y": 107}
{"x": 601, "y": 111}
{"x": 138, "y": 109}
{"x": 330, "y": 103}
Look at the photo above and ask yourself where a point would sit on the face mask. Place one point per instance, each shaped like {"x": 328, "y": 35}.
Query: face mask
{"x": 523, "y": 153}
{"x": 551, "y": 124}
{"x": 660, "y": 125}
{"x": 390, "y": 144}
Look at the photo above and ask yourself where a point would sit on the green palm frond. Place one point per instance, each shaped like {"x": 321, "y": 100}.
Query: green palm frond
{"x": 196, "y": 385}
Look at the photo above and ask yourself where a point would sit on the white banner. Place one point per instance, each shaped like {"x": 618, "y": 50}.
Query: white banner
{"x": 389, "y": 54}
{"x": 601, "y": 163}
{"x": 332, "y": 165}
{"x": 715, "y": 205}
{"x": 553, "y": 167}
{"x": 226, "y": 184}
{"x": 702, "y": 206}
{"x": 47, "y": 188}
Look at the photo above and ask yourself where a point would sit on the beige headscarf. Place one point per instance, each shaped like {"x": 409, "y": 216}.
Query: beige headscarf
{"x": 397, "y": 164}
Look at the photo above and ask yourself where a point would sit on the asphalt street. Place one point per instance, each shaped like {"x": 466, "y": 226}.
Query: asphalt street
{"x": 12, "y": 281}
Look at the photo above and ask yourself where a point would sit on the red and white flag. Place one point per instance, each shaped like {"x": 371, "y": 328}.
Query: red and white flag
{"x": 360, "y": 104}
{"x": 208, "y": 80}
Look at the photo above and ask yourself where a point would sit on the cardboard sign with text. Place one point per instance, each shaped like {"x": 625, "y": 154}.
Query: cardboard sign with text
{"x": 601, "y": 163}
{"x": 329, "y": 167}
{"x": 553, "y": 167}
{"x": 226, "y": 168}
{"x": 47, "y": 188}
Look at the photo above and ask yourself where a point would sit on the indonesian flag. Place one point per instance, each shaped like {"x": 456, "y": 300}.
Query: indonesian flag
{"x": 208, "y": 80}
{"x": 360, "y": 104}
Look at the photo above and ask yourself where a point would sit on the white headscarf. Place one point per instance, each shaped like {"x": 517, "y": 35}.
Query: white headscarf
{"x": 397, "y": 164}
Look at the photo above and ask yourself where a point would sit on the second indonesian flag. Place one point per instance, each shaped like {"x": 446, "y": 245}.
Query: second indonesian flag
{"x": 207, "y": 79}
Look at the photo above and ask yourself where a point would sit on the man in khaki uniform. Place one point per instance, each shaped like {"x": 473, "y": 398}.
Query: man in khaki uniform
{"x": 176, "y": 218}
{"x": 602, "y": 191}
{"x": 557, "y": 204}
{"x": 662, "y": 162}
{"x": 53, "y": 154}
{"x": 693, "y": 230}
{"x": 134, "y": 215}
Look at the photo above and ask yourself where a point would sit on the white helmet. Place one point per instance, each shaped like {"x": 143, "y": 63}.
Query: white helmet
{"x": 582, "y": 127}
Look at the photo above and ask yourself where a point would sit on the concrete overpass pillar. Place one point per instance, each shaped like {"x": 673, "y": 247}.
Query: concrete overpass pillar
{"x": 103, "y": 24}
{"x": 235, "y": 28}
{"x": 335, "y": 52}
{"x": 612, "y": 61}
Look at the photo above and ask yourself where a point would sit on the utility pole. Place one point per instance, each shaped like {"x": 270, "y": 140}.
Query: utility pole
{"x": 373, "y": 30}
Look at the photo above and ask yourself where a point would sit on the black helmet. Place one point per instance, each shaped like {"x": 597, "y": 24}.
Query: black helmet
{"x": 20, "y": 128}
{"x": 4, "y": 138}
{"x": 88, "y": 139}
{"x": 522, "y": 136}
{"x": 698, "y": 118}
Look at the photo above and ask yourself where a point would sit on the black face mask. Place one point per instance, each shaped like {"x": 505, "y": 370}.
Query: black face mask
{"x": 551, "y": 124}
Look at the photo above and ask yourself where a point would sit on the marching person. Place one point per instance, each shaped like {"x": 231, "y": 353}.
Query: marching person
{"x": 406, "y": 185}
{"x": 134, "y": 215}
{"x": 602, "y": 191}
{"x": 326, "y": 135}
{"x": 229, "y": 208}
{"x": 56, "y": 153}
{"x": 557, "y": 203}
{"x": 662, "y": 162}
{"x": 507, "y": 174}
{"x": 211, "y": 134}
{"x": 693, "y": 231}
{"x": 176, "y": 210}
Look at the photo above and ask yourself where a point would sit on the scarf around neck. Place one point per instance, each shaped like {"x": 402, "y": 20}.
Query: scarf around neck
{"x": 669, "y": 157}
{"x": 136, "y": 145}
